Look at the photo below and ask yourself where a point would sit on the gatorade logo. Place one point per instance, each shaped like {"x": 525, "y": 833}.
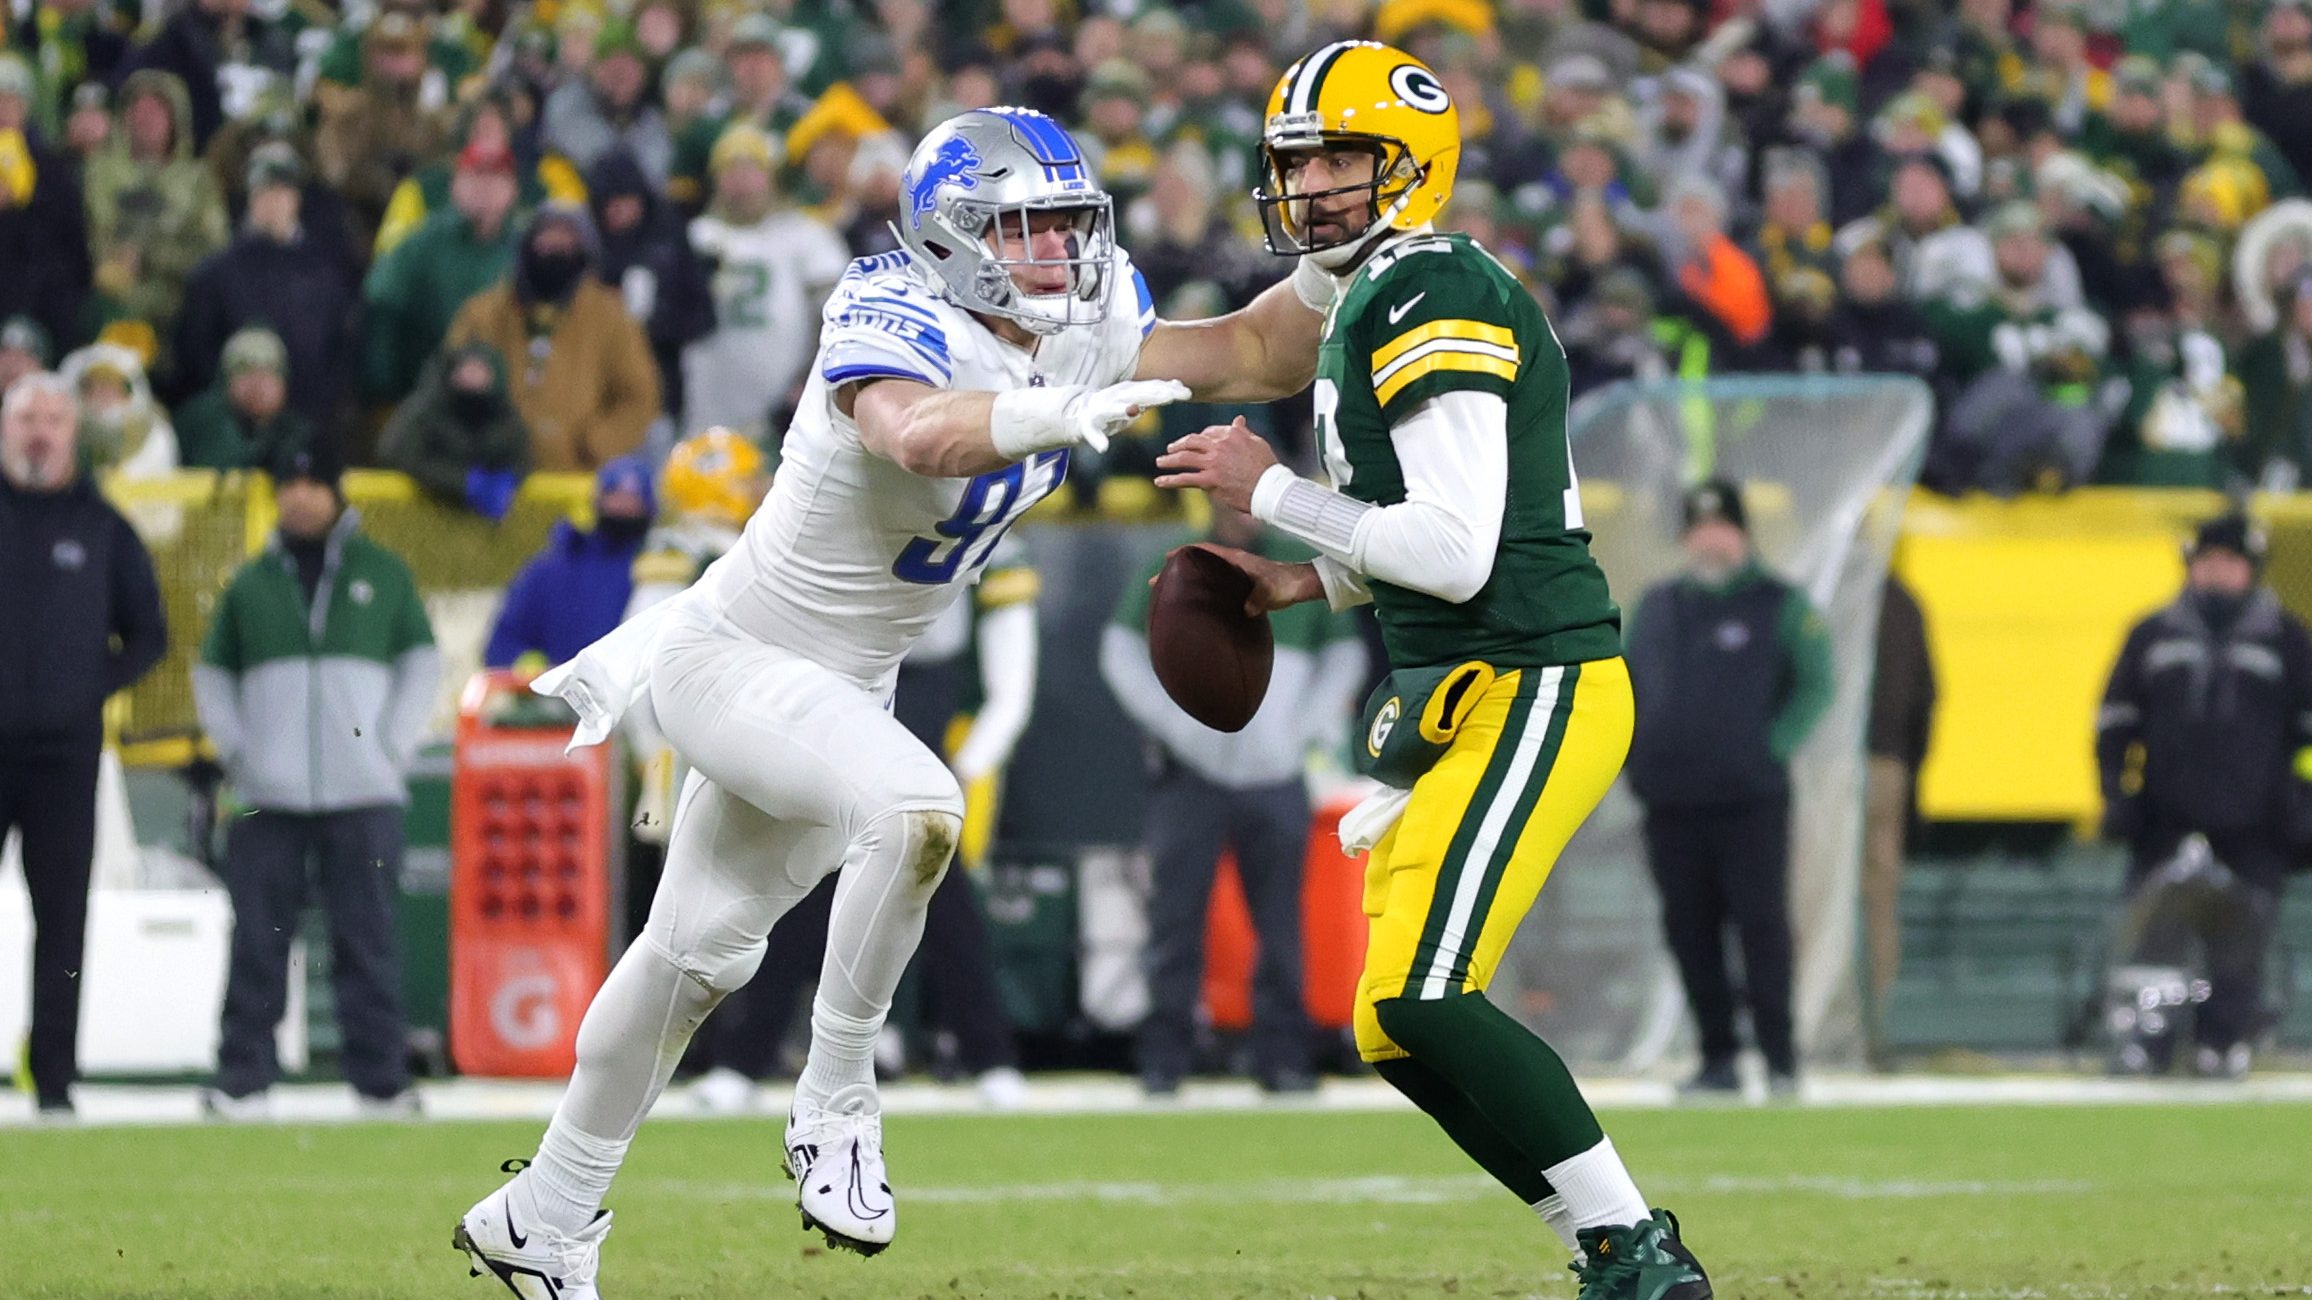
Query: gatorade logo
{"x": 523, "y": 1013}
{"x": 1384, "y": 722}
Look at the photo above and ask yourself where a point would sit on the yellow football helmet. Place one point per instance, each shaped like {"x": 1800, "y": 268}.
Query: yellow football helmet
{"x": 1360, "y": 94}
{"x": 716, "y": 475}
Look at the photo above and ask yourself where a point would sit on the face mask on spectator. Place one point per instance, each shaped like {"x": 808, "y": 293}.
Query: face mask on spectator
{"x": 551, "y": 274}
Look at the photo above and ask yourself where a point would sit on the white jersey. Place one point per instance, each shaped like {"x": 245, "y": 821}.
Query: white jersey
{"x": 852, "y": 557}
{"x": 767, "y": 280}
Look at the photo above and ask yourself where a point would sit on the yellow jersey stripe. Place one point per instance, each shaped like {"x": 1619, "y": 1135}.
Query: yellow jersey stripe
{"x": 1474, "y": 330}
{"x": 1508, "y": 355}
{"x": 1469, "y": 361}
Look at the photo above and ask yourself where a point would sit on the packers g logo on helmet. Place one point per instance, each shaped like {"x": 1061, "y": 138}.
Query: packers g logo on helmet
{"x": 716, "y": 475}
{"x": 1366, "y": 96}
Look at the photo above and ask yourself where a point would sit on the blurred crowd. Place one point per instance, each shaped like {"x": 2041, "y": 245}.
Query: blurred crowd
{"x": 472, "y": 238}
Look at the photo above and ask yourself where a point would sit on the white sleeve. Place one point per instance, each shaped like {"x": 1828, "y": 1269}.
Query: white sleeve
{"x": 1454, "y": 453}
{"x": 1007, "y": 677}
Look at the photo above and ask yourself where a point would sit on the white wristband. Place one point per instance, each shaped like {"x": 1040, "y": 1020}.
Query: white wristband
{"x": 1314, "y": 286}
{"x": 1025, "y": 421}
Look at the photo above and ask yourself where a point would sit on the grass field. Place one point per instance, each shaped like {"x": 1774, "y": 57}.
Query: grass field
{"x": 1821, "y": 1204}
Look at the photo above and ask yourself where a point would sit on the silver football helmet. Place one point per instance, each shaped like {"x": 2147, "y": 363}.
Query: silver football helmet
{"x": 972, "y": 185}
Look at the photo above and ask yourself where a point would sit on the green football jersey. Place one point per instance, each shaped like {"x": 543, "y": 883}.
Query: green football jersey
{"x": 1430, "y": 315}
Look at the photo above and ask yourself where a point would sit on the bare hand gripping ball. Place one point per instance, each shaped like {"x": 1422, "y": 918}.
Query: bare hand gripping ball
{"x": 1212, "y": 657}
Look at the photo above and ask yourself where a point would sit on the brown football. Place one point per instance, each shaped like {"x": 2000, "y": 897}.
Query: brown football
{"x": 1212, "y": 657}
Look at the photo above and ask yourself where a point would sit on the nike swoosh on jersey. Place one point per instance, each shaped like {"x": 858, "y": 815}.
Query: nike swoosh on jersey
{"x": 1397, "y": 313}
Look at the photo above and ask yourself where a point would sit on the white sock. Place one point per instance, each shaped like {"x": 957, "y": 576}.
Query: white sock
{"x": 1596, "y": 1189}
{"x": 842, "y": 1054}
{"x": 565, "y": 1185}
{"x": 1560, "y": 1220}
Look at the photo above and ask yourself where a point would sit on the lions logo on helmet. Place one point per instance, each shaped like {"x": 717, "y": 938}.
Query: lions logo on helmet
{"x": 1370, "y": 97}
{"x": 971, "y": 187}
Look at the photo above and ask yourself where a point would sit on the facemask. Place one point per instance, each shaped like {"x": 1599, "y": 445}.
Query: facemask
{"x": 551, "y": 276}
{"x": 622, "y": 528}
{"x": 2221, "y": 609}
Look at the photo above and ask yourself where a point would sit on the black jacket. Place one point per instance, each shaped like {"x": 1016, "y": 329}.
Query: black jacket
{"x": 300, "y": 291}
{"x": 1902, "y": 691}
{"x": 75, "y": 577}
{"x": 1729, "y": 680}
{"x": 46, "y": 243}
{"x": 2219, "y": 714}
{"x": 652, "y": 266}
{"x": 1888, "y": 338}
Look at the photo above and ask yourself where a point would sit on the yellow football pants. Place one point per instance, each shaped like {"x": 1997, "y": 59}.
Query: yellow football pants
{"x": 1450, "y": 884}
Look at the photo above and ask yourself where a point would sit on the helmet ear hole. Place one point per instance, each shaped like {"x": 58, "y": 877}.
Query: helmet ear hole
{"x": 937, "y": 249}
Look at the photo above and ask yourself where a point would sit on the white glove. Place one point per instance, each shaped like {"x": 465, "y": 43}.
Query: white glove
{"x": 1028, "y": 420}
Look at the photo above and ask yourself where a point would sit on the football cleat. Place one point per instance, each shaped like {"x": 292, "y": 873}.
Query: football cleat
{"x": 1643, "y": 1261}
{"x": 534, "y": 1261}
{"x": 835, "y": 1156}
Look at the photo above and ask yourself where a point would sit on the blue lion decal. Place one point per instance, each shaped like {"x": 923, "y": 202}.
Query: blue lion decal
{"x": 955, "y": 161}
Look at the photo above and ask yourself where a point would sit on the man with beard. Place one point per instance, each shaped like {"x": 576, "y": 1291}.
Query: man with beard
{"x": 582, "y": 374}
{"x": 377, "y": 135}
{"x": 78, "y": 580}
{"x": 2276, "y": 90}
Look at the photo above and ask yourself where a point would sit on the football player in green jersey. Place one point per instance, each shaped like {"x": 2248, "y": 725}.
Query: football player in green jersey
{"x": 1441, "y": 408}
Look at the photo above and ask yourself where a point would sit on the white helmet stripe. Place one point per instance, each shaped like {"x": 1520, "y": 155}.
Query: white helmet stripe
{"x": 1313, "y": 69}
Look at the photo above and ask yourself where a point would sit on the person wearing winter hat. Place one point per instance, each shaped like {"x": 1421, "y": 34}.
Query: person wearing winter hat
{"x": 244, "y": 418}
{"x": 575, "y": 590}
{"x": 315, "y": 682}
{"x": 1732, "y": 670}
{"x": 582, "y": 375}
{"x": 2197, "y": 747}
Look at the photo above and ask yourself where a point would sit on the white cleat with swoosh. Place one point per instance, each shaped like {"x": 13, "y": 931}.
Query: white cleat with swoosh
{"x": 534, "y": 1261}
{"x": 835, "y": 1156}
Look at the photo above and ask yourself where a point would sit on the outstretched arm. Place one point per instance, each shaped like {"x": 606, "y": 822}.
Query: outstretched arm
{"x": 1260, "y": 352}
{"x": 959, "y": 433}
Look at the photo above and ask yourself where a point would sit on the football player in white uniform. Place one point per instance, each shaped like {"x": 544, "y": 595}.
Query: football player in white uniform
{"x": 953, "y": 378}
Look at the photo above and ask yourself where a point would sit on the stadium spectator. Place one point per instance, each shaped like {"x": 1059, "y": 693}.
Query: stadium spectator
{"x": 610, "y": 109}
{"x": 2276, "y": 90}
{"x": 153, "y": 209}
{"x": 343, "y": 68}
{"x": 1874, "y": 330}
{"x": 1823, "y": 117}
{"x": 69, "y": 41}
{"x": 761, "y": 96}
{"x": 581, "y": 371}
{"x": 771, "y": 269}
{"x": 414, "y": 292}
{"x": 314, "y": 683}
{"x": 574, "y": 591}
{"x": 24, "y": 349}
{"x": 1242, "y": 792}
{"x": 122, "y": 429}
{"x": 85, "y": 620}
{"x": 459, "y": 435}
{"x": 244, "y": 420}
{"x": 1902, "y": 716}
{"x": 1116, "y": 141}
{"x": 42, "y": 223}
{"x": 206, "y": 45}
{"x": 646, "y": 256}
{"x": 2206, "y": 712}
{"x": 2275, "y": 372}
{"x": 323, "y": 219}
{"x": 274, "y": 275}
{"x": 1731, "y": 667}
{"x": 1721, "y": 281}
{"x": 1610, "y": 336}
{"x": 1178, "y": 233}
{"x": 371, "y": 138}
{"x": 488, "y": 126}
{"x": 2028, "y": 368}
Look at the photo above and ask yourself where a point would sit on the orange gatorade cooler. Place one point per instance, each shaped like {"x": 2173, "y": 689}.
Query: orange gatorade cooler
{"x": 1332, "y": 932}
{"x": 529, "y": 881}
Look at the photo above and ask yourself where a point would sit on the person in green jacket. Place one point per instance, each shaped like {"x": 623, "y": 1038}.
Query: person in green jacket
{"x": 459, "y": 435}
{"x": 315, "y": 684}
{"x": 415, "y": 291}
{"x": 244, "y": 419}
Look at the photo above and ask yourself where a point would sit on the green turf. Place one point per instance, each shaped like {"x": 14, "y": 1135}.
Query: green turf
{"x": 1791, "y": 1204}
